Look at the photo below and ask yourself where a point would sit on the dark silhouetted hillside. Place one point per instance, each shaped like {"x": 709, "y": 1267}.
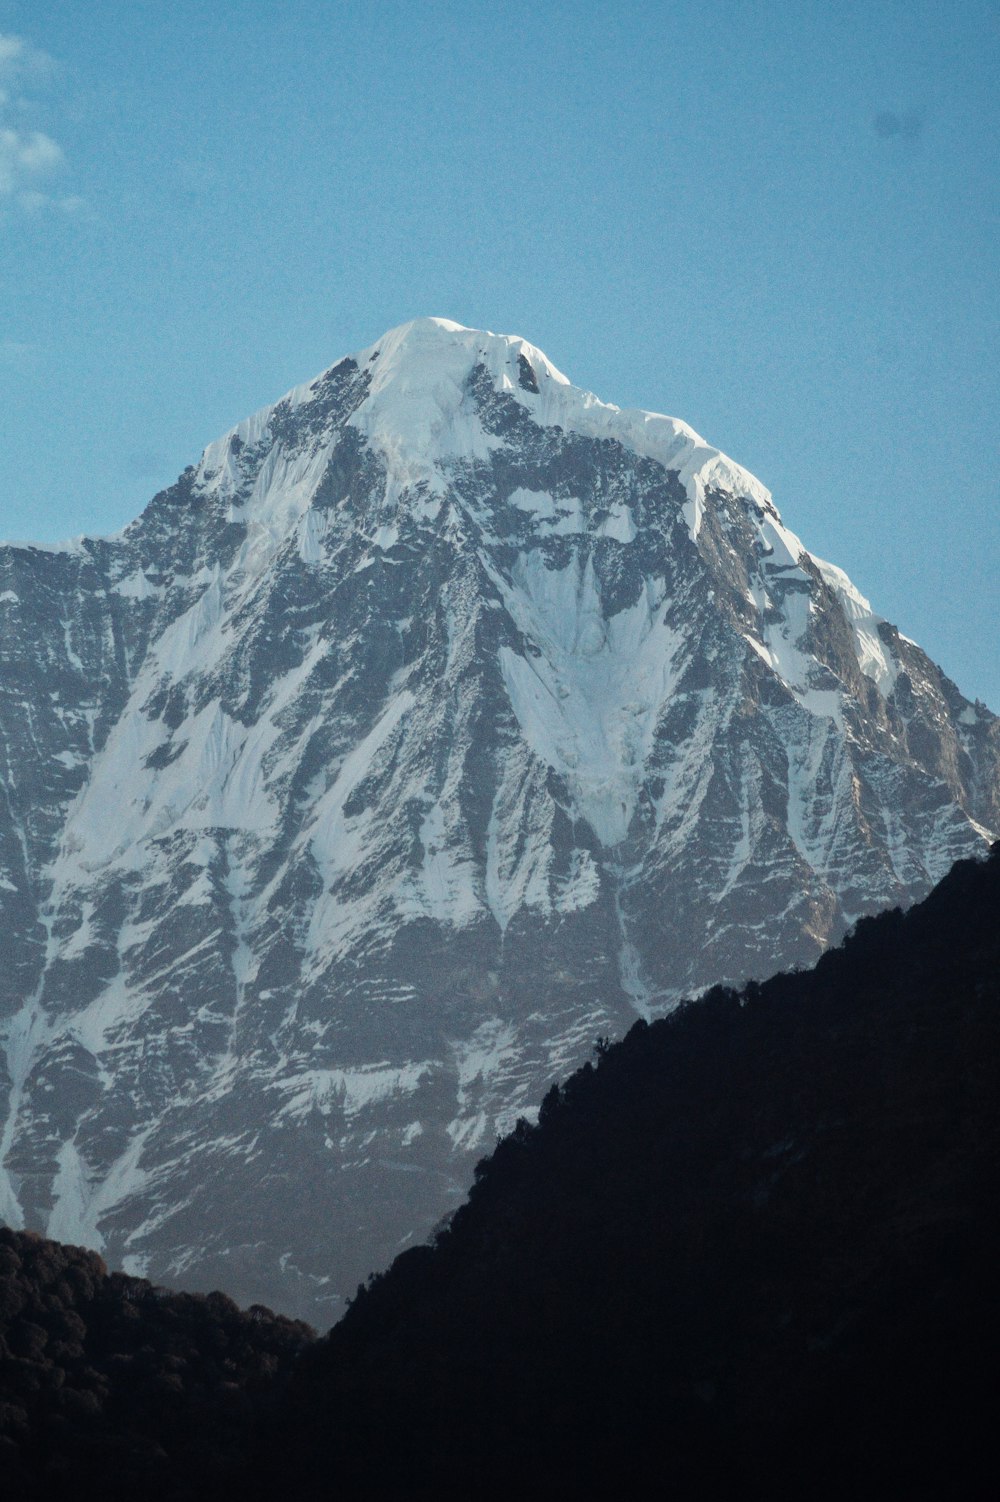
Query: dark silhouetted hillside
{"x": 754, "y": 1248}
{"x": 110, "y": 1387}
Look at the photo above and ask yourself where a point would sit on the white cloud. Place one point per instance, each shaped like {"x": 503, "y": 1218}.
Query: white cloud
{"x": 33, "y": 202}
{"x": 19, "y": 59}
{"x": 28, "y": 158}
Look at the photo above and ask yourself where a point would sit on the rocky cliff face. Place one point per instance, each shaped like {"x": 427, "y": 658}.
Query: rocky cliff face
{"x": 440, "y": 720}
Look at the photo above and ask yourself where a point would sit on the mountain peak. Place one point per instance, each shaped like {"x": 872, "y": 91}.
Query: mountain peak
{"x": 441, "y": 720}
{"x": 427, "y": 341}
{"x": 413, "y": 404}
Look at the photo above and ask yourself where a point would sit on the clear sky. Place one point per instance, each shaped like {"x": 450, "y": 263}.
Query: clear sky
{"x": 777, "y": 221}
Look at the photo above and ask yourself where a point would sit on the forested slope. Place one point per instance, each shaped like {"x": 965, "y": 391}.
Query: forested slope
{"x": 755, "y": 1245}
{"x": 110, "y": 1387}
{"x": 752, "y": 1248}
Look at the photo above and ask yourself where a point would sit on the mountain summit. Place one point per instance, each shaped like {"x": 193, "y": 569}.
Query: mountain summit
{"x": 442, "y": 719}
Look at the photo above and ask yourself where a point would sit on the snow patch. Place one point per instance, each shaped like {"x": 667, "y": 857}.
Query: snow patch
{"x": 588, "y": 703}
{"x": 82, "y": 1203}
{"x": 874, "y": 658}
{"x": 351, "y": 1090}
{"x": 449, "y": 875}
{"x": 137, "y": 587}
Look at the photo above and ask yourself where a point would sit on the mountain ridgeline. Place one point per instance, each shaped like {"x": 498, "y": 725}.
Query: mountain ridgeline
{"x": 440, "y": 720}
{"x": 751, "y": 1249}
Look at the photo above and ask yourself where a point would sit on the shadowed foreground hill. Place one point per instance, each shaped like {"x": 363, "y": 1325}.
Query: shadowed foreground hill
{"x": 110, "y": 1387}
{"x": 753, "y": 1249}
{"x": 756, "y": 1245}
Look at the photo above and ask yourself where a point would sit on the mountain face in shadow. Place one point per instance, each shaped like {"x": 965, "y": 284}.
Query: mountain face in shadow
{"x": 755, "y": 1246}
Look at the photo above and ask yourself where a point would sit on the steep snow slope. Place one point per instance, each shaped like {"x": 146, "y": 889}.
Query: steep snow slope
{"x": 443, "y": 718}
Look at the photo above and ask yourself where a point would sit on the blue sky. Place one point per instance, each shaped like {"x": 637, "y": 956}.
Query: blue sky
{"x": 777, "y": 222}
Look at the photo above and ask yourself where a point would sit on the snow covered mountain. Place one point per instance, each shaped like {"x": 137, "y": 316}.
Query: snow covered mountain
{"x": 440, "y": 720}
